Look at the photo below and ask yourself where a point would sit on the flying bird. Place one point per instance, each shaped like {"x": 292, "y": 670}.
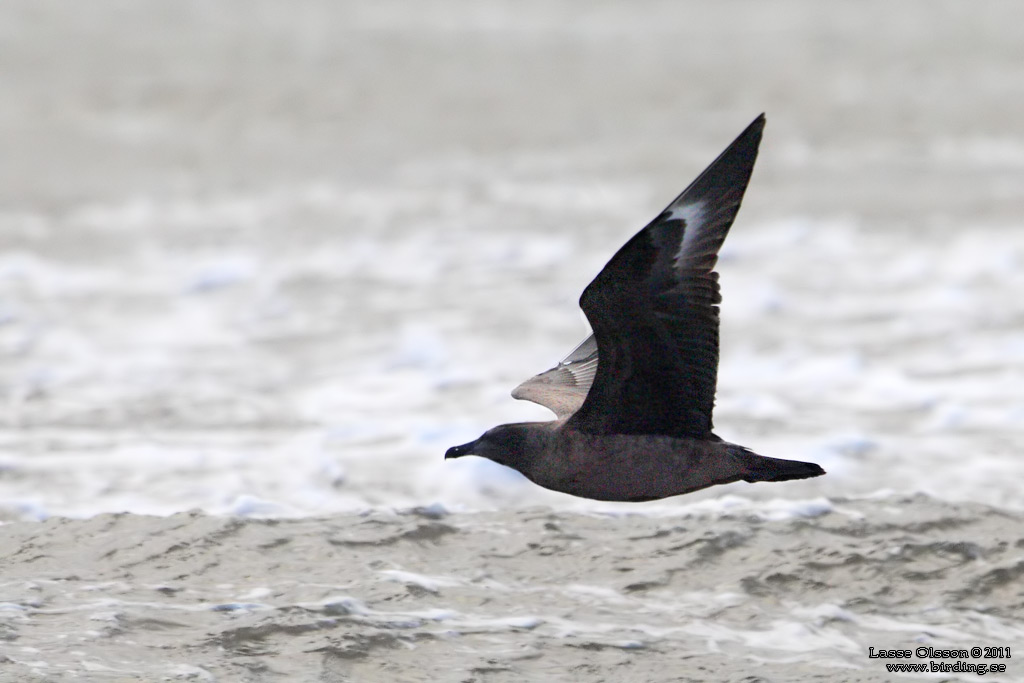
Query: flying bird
{"x": 633, "y": 402}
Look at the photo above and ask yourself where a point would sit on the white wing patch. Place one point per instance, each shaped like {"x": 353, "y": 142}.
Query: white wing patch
{"x": 692, "y": 215}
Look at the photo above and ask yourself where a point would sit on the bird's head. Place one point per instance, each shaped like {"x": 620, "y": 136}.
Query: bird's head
{"x": 507, "y": 445}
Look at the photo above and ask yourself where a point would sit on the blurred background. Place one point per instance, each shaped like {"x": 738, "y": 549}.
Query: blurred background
{"x": 274, "y": 258}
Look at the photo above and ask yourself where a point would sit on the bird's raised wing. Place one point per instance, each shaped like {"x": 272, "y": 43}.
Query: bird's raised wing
{"x": 654, "y": 314}
{"x": 563, "y": 388}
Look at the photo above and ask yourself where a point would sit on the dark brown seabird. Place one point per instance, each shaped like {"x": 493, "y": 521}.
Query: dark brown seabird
{"x": 633, "y": 402}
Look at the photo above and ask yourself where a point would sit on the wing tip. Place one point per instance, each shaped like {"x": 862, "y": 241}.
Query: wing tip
{"x": 729, "y": 173}
{"x": 522, "y": 391}
{"x": 757, "y": 125}
{"x": 751, "y": 135}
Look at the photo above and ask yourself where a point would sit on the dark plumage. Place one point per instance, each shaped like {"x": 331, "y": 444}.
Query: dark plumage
{"x": 634, "y": 400}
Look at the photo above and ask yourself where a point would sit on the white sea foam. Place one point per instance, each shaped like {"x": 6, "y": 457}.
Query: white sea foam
{"x": 428, "y": 583}
{"x": 271, "y": 376}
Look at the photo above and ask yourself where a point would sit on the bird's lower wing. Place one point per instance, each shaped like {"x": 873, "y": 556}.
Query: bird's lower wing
{"x": 563, "y": 388}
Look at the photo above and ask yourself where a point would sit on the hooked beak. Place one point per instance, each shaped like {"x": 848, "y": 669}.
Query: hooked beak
{"x": 459, "y": 451}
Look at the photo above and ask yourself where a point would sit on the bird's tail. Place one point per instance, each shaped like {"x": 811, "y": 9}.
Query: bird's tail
{"x": 761, "y": 468}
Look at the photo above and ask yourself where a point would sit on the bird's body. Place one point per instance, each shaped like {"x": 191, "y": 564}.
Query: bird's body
{"x": 634, "y": 400}
{"x": 612, "y": 467}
